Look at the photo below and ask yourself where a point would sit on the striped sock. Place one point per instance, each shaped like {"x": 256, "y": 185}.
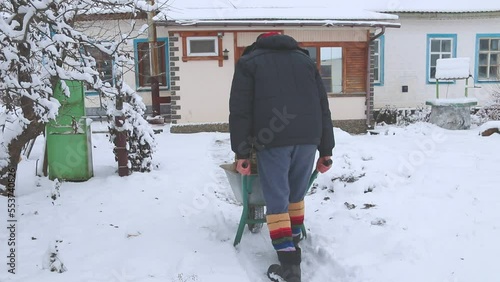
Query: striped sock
{"x": 281, "y": 232}
{"x": 296, "y": 212}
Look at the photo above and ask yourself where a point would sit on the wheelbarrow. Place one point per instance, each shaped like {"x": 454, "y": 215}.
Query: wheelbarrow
{"x": 247, "y": 190}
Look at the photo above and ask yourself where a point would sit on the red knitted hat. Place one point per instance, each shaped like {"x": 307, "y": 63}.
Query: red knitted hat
{"x": 267, "y": 34}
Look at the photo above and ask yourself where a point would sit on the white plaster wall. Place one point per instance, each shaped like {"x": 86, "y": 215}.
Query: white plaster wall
{"x": 347, "y": 108}
{"x": 405, "y": 60}
{"x": 205, "y": 87}
{"x": 328, "y": 34}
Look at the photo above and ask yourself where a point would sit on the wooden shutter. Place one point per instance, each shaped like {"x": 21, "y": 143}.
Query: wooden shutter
{"x": 356, "y": 58}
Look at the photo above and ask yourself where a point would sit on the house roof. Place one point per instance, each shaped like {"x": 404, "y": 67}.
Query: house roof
{"x": 271, "y": 12}
{"x": 432, "y": 6}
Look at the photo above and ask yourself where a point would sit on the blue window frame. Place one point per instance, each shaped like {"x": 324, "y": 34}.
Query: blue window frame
{"x": 487, "y": 58}
{"x": 378, "y": 63}
{"x": 439, "y": 46}
{"x": 143, "y": 65}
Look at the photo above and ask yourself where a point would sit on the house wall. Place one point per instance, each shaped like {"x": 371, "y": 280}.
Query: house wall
{"x": 406, "y": 51}
{"x": 202, "y": 93}
{"x": 203, "y": 87}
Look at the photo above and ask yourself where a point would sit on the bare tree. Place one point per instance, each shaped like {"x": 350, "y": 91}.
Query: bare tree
{"x": 41, "y": 46}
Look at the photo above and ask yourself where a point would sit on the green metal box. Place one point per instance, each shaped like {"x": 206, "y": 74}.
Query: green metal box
{"x": 69, "y": 145}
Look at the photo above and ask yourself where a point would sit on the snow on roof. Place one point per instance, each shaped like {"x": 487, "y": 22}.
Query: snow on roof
{"x": 432, "y": 6}
{"x": 259, "y": 10}
{"x": 372, "y": 10}
{"x": 452, "y": 68}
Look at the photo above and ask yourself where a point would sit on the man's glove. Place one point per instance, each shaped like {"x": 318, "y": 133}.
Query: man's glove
{"x": 243, "y": 166}
{"x": 324, "y": 164}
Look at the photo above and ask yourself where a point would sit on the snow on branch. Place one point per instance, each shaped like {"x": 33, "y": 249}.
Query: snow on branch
{"x": 41, "y": 44}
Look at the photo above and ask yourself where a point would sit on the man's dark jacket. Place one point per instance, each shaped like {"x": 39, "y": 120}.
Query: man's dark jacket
{"x": 278, "y": 99}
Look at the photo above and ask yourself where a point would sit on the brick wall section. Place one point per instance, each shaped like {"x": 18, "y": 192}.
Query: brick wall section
{"x": 372, "y": 76}
{"x": 175, "y": 80}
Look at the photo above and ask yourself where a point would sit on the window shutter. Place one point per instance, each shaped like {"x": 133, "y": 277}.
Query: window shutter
{"x": 355, "y": 69}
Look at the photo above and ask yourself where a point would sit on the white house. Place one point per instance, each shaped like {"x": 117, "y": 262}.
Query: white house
{"x": 366, "y": 61}
{"x": 199, "y": 43}
{"x": 206, "y": 38}
{"x": 430, "y": 30}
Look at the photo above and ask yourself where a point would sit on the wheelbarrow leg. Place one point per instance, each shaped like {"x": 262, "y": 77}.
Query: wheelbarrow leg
{"x": 314, "y": 175}
{"x": 244, "y": 214}
{"x": 304, "y": 232}
{"x": 241, "y": 226}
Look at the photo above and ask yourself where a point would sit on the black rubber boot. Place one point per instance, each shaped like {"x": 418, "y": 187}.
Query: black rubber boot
{"x": 289, "y": 267}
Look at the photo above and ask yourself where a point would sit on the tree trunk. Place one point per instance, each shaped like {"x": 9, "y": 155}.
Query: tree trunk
{"x": 32, "y": 130}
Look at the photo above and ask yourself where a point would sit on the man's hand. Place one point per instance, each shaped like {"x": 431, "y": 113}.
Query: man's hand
{"x": 243, "y": 166}
{"x": 324, "y": 164}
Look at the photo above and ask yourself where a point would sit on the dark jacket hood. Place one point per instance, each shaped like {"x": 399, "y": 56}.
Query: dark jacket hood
{"x": 277, "y": 42}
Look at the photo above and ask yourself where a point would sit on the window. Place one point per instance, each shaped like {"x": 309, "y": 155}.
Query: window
{"x": 378, "y": 61}
{"x": 202, "y": 46}
{"x": 330, "y": 66}
{"x": 488, "y": 58}
{"x": 143, "y": 63}
{"x": 104, "y": 66}
{"x": 439, "y": 46}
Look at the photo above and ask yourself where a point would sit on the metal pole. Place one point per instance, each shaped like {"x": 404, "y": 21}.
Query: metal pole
{"x": 155, "y": 68}
{"x": 437, "y": 88}
{"x": 467, "y": 87}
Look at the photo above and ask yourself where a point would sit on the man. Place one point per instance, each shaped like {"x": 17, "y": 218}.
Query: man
{"x": 279, "y": 108}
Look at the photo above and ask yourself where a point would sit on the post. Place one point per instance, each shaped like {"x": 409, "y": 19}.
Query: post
{"x": 153, "y": 56}
{"x": 437, "y": 88}
{"x": 121, "y": 139}
{"x": 467, "y": 87}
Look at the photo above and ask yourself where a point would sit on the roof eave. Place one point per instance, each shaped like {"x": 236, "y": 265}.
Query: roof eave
{"x": 440, "y": 12}
{"x": 288, "y": 22}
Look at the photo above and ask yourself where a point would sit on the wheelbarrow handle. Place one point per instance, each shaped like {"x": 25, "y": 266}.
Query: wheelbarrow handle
{"x": 328, "y": 162}
{"x": 244, "y": 164}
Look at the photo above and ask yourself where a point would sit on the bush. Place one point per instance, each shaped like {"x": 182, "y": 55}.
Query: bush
{"x": 491, "y": 111}
{"x": 387, "y": 115}
{"x": 419, "y": 114}
{"x": 402, "y": 117}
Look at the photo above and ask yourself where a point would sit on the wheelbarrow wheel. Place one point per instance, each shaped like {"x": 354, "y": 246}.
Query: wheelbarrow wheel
{"x": 256, "y": 212}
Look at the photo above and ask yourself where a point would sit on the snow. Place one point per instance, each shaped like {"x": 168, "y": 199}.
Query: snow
{"x": 489, "y": 125}
{"x": 189, "y": 10}
{"x": 453, "y": 101}
{"x": 289, "y": 22}
{"x": 443, "y": 6}
{"x": 435, "y": 217}
{"x": 255, "y": 10}
{"x": 453, "y": 68}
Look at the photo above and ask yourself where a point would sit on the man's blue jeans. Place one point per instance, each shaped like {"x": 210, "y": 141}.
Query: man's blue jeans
{"x": 284, "y": 174}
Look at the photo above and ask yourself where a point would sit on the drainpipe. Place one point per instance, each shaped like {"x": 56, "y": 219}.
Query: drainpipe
{"x": 369, "y": 110}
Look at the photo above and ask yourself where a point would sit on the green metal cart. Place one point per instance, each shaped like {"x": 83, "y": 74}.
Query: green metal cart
{"x": 247, "y": 190}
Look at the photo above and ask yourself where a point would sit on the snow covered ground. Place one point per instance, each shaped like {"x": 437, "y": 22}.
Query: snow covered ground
{"x": 408, "y": 205}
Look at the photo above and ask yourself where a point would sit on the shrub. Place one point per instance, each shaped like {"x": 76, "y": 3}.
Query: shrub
{"x": 491, "y": 111}
{"x": 402, "y": 117}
